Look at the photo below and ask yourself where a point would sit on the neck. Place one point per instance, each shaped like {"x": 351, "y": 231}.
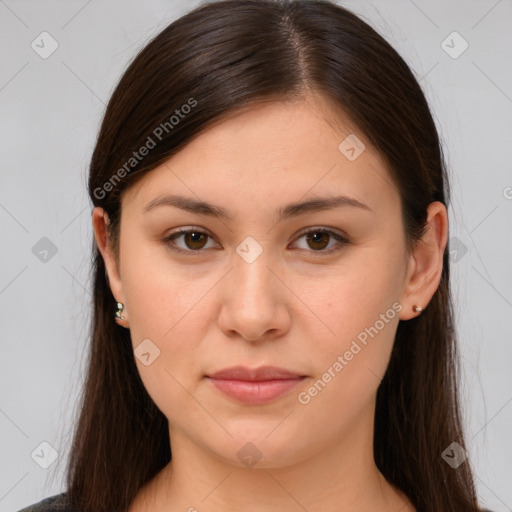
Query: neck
{"x": 341, "y": 476}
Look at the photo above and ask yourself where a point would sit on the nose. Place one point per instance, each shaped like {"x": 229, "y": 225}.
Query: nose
{"x": 254, "y": 301}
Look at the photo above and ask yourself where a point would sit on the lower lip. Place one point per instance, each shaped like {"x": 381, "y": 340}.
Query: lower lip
{"x": 252, "y": 392}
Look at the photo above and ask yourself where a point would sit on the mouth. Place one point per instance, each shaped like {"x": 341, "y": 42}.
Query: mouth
{"x": 255, "y": 386}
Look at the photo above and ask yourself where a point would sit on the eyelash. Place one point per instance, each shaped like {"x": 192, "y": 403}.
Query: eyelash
{"x": 169, "y": 241}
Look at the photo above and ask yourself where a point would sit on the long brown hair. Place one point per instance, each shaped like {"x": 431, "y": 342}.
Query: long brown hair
{"x": 218, "y": 59}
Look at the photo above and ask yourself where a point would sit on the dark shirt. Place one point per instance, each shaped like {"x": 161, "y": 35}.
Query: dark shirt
{"x": 56, "y": 503}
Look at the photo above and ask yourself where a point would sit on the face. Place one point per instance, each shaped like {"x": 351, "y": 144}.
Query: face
{"x": 315, "y": 291}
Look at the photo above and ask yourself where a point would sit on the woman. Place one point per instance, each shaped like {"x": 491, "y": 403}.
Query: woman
{"x": 272, "y": 324}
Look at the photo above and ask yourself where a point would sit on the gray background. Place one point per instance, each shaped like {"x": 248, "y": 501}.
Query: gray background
{"x": 51, "y": 110}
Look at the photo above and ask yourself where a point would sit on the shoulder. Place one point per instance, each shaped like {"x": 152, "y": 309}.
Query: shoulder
{"x": 56, "y": 503}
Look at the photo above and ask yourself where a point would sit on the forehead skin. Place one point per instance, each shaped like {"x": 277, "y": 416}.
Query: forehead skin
{"x": 256, "y": 160}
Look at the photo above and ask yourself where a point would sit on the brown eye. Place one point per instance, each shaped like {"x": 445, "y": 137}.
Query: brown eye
{"x": 193, "y": 241}
{"x": 319, "y": 240}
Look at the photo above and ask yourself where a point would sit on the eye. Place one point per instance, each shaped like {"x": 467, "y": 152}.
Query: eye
{"x": 194, "y": 240}
{"x": 318, "y": 239}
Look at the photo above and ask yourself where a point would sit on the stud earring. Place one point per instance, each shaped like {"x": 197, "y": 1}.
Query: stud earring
{"x": 417, "y": 309}
{"x": 120, "y": 307}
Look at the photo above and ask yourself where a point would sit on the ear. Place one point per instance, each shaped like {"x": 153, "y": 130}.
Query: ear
{"x": 426, "y": 262}
{"x": 100, "y": 222}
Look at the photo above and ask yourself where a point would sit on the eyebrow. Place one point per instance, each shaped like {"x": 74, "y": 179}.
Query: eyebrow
{"x": 292, "y": 210}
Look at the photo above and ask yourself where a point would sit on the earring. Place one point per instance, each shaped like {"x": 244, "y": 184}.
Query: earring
{"x": 417, "y": 309}
{"x": 120, "y": 307}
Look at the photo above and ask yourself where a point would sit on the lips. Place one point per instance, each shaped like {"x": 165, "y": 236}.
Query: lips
{"x": 255, "y": 386}
{"x": 255, "y": 374}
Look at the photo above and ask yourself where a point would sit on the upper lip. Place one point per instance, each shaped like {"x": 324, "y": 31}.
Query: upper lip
{"x": 255, "y": 374}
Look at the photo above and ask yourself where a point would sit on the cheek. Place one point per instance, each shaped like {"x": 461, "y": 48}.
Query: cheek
{"x": 169, "y": 305}
{"x": 347, "y": 373}
{"x": 352, "y": 298}
{"x": 361, "y": 309}
{"x": 361, "y": 331}
{"x": 162, "y": 296}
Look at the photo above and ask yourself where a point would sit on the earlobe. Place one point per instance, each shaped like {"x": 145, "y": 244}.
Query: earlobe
{"x": 120, "y": 319}
{"x": 426, "y": 263}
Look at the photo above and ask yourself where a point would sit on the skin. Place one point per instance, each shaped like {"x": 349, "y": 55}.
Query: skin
{"x": 293, "y": 307}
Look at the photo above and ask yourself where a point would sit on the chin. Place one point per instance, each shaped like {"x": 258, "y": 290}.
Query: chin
{"x": 266, "y": 449}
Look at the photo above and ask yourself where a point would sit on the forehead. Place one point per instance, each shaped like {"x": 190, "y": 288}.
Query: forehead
{"x": 270, "y": 154}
